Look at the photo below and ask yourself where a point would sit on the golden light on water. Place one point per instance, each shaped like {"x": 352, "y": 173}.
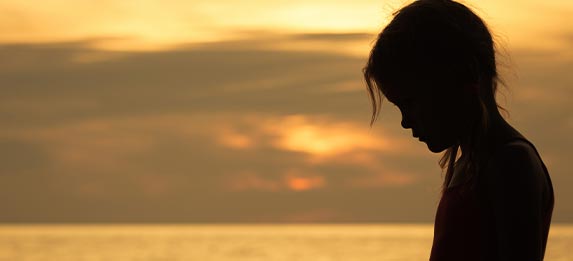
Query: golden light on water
{"x": 305, "y": 242}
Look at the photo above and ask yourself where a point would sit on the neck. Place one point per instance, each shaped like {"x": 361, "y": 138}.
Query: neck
{"x": 497, "y": 127}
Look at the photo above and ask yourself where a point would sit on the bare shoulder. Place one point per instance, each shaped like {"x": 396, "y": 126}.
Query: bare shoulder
{"x": 515, "y": 166}
{"x": 517, "y": 154}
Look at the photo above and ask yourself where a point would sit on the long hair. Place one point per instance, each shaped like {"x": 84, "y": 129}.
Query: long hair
{"x": 438, "y": 41}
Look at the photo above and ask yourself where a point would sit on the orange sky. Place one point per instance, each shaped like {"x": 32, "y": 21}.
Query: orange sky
{"x": 212, "y": 111}
{"x": 136, "y": 25}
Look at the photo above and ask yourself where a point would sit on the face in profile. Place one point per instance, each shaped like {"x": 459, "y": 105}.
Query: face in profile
{"x": 435, "y": 117}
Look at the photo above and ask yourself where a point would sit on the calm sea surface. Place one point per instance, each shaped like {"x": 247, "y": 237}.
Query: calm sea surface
{"x": 234, "y": 242}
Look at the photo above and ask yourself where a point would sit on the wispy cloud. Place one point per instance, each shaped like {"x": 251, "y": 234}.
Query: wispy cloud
{"x": 215, "y": 129}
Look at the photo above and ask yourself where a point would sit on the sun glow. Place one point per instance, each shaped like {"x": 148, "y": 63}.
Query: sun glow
{"x": 305, "y": 183}
{"x": 298, "y": 133}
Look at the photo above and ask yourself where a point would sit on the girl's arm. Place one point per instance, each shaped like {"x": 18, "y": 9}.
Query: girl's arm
{"x": 515, "y": 183}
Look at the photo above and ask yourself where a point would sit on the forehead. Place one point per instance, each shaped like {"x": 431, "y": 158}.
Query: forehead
{"x": 418, "y": 89}
{"x": 397, "y": 92}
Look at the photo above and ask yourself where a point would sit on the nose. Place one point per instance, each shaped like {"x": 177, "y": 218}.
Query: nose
{"x": 406, "y": 125}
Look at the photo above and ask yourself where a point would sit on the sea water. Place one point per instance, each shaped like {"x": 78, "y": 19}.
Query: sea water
{"x": 285, "y": 242}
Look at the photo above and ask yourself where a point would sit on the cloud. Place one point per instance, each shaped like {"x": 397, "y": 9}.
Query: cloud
{"x": 227, "y": 132}
{"x": 305, "y": 183}
{"x": 201, "y": 79}
{"x": 289, "y": 181}
{"x": 235, "y": 140}
{"x": 326, "y": 37}
{"x": 384, "y": 179}
{"x": 251, "y": 181}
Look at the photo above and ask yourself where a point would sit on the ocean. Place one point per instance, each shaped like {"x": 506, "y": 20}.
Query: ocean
{"x": 264, "y": 242}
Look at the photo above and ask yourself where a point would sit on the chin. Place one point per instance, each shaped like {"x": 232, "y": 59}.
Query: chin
{"x": 437, "y": 148}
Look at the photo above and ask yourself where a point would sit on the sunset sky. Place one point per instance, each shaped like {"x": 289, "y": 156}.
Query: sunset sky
{"x": 242, "y": 111}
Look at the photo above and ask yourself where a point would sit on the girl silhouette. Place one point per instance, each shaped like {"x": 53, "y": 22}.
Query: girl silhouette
{"x": 436, "y": 62}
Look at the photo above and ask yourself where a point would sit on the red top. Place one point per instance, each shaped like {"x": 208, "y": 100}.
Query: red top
{"x": 465, "y": 227}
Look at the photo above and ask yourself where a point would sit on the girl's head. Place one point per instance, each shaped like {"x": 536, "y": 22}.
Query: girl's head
{"x": 436, "y": 62}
